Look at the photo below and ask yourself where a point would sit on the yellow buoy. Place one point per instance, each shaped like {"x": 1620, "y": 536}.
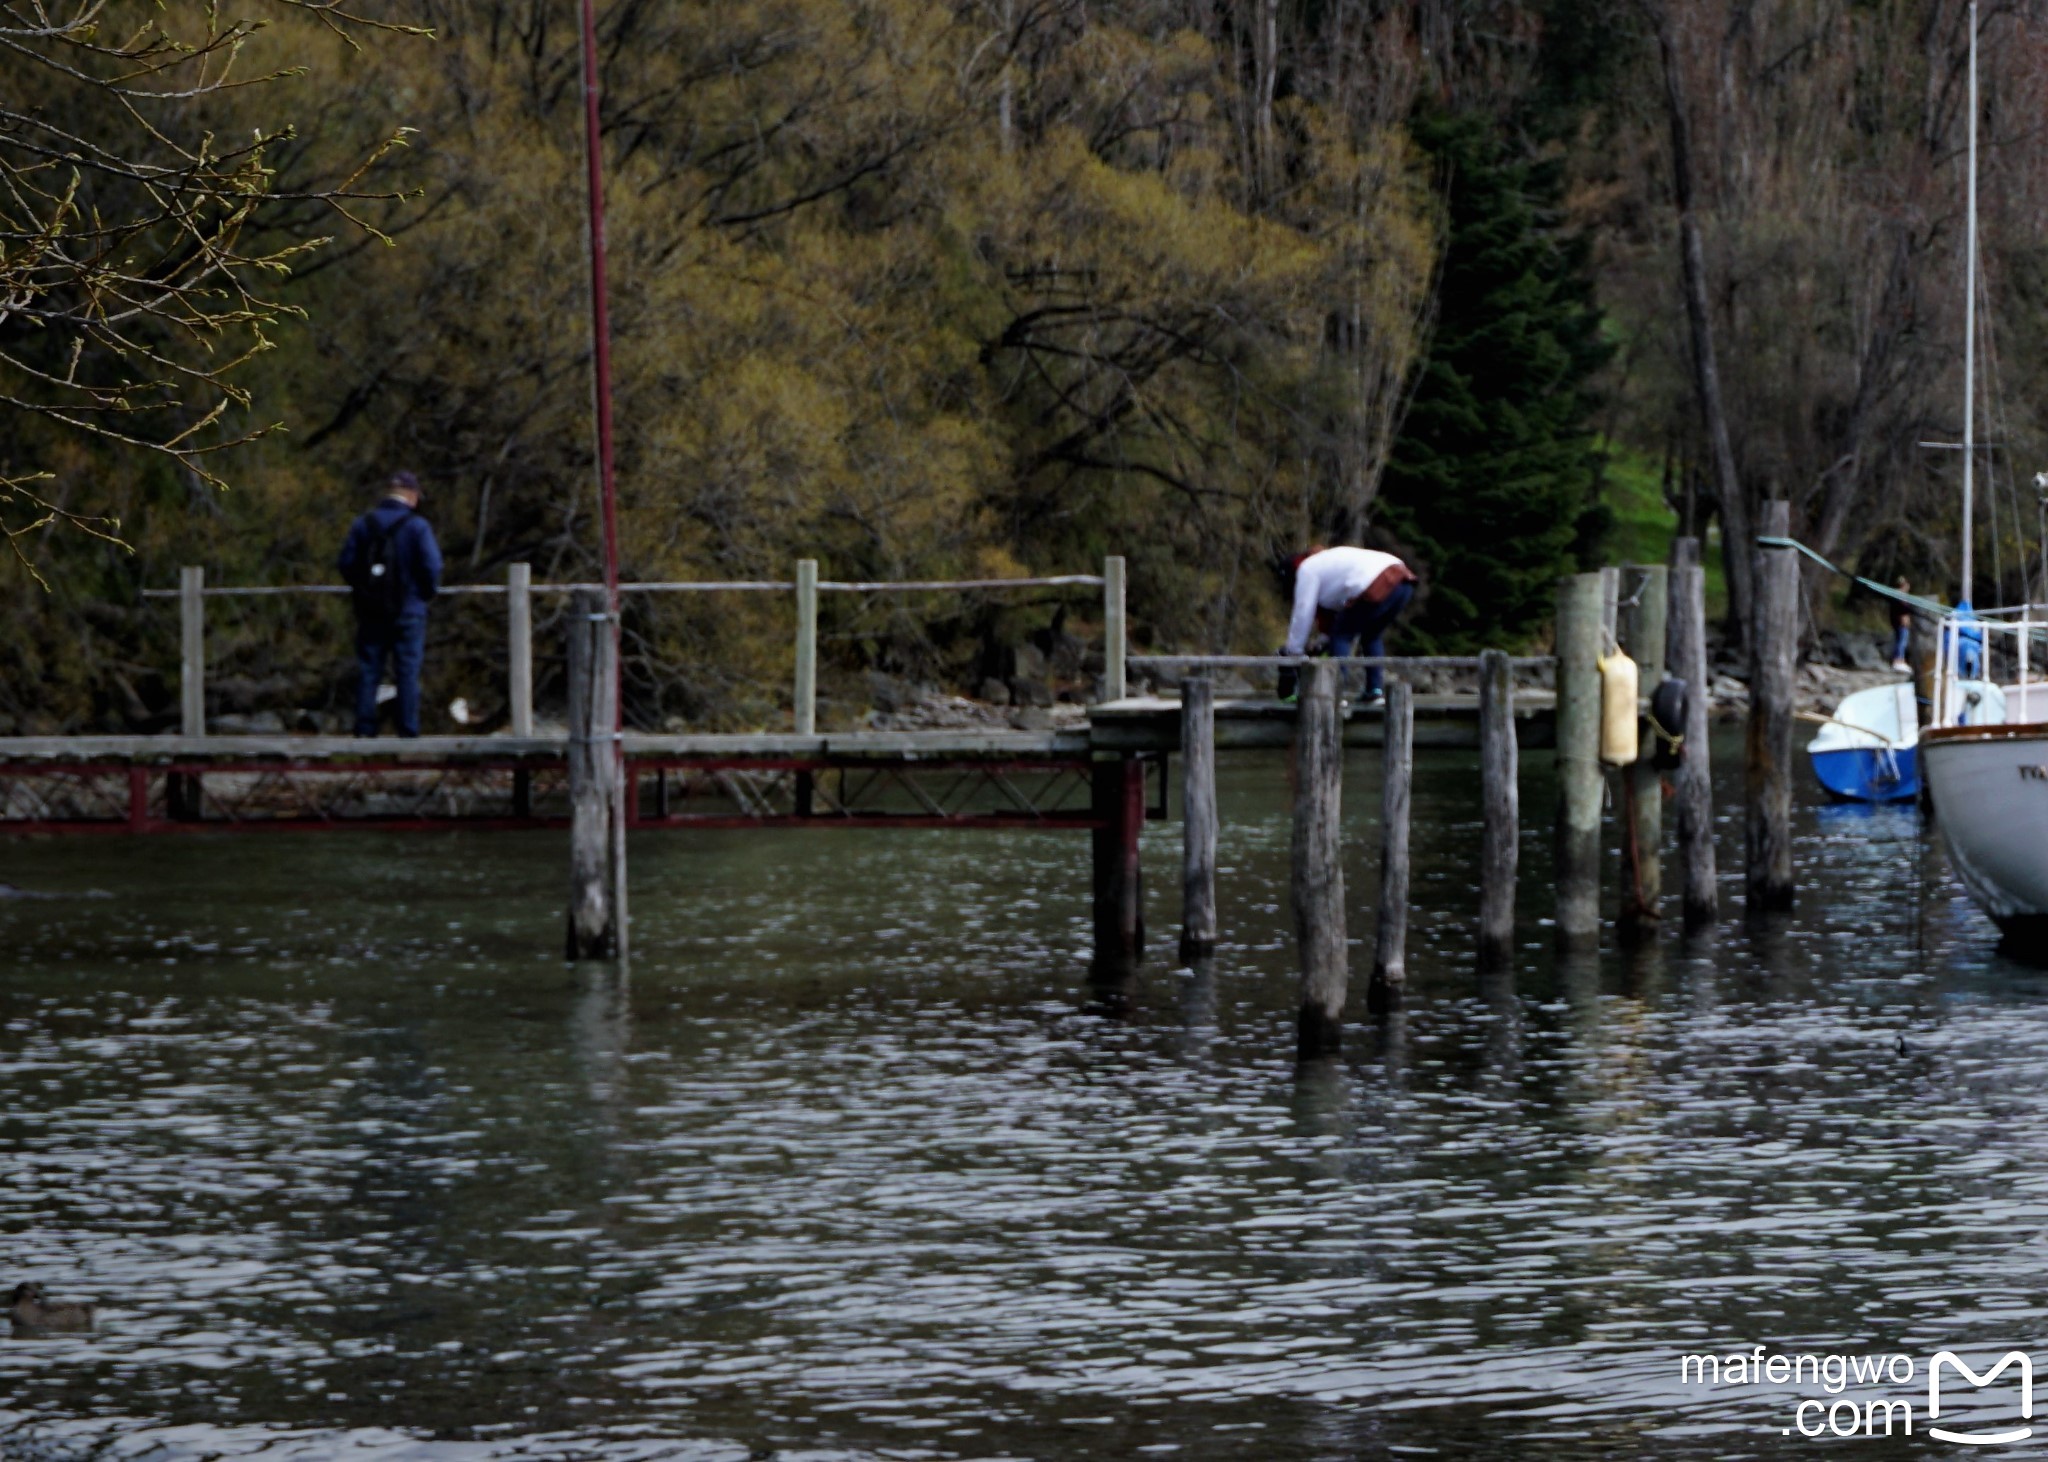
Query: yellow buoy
{"x": 1618, "y": 683}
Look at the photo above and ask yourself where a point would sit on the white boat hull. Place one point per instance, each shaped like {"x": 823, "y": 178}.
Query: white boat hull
{"x": 1990, "y": 791}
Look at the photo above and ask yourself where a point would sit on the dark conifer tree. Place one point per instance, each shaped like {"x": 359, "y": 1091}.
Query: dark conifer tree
{"x": 1493, "y": 482}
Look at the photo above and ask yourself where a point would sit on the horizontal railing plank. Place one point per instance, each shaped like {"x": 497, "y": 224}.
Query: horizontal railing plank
{"x": 678, "y": 586}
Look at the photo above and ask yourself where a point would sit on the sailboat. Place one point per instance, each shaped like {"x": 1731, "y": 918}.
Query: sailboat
{"x": 1985, "y": 755}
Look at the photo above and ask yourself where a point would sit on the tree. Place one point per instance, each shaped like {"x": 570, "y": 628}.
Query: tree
{"x": 1494, "y": 477}
{"x": 132, "y": 284}
{"x": 921, "y": 288}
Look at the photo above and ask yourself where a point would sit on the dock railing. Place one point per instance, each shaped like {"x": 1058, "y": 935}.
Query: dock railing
{"x": 193, "y": 592}
{"x": 1279, "y": 662}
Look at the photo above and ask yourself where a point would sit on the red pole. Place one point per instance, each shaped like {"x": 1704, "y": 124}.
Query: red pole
{"x": 601, "y": 360}
{"x": 600, "y": 315}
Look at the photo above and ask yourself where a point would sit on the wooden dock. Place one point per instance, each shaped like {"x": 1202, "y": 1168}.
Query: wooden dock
{"x": 1152, "y": 723}
{"x": 1103, "y": 769}
{"x": 161, "y": 784}
{"x": 966, "y": 777}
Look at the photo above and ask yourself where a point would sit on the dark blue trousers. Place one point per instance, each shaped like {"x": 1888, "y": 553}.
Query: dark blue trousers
{"x": 1365, "y": 625}
{"x": 404, "y": 644}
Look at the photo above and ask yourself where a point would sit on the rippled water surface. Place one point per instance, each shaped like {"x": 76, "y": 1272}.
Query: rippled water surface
{"x": 859, "y": 1165}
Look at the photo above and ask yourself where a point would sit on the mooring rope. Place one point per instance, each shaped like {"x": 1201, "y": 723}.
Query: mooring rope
{"x": 1932, "y": 607}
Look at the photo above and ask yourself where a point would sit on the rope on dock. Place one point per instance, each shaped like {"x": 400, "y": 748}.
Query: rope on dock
{"x": 1932, "y": 607}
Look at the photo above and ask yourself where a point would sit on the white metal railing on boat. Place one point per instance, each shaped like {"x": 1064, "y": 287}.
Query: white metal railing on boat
{"x": 1967, "y": 689}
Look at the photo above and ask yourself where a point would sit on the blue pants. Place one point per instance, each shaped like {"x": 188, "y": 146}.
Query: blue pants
{"x": 1902, "y": 637}
{"x": 404, "y": 643}
{"x": 1364, "y": 625}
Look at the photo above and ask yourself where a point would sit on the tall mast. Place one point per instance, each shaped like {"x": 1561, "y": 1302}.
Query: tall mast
{"x": 1970, "y": 338}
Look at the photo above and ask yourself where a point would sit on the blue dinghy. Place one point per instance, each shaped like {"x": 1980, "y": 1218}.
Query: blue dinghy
{"x": 1868, "y": 751}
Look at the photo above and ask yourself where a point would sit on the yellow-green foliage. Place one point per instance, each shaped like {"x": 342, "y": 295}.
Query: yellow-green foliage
{"x": 892, "y": 286}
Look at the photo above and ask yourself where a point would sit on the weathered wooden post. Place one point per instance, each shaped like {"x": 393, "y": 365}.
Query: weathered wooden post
{"x": 1579, "y": 786}
{"x": 1119, "y": 807}
{"x": 519, "y": 673}
{"x": 1390, "y": 936}
{"x": 593, "y": 769}
{"x": 1115, "y": 630}
{"x": 182, "y": 790}
{"x": 1642, "y": 634}
{"x": 519, "y": 647}
{"x": 1694, "y": 781}
{"x": 1774, "y": 640}
{"x": 806, "y": 697}
{"x": 192, "y": 650}
{"x": 1318, "y": 876}
{"x": 1500, "y": 797}
{"x": 1198, "y": 817}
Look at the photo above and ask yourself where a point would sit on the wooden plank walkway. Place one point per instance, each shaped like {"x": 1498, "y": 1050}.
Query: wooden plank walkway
{"x": 1065, "y": 776}
{"x": 1152, "y": 723}
{"x": 994, "y": 743}
{"x": 1135, "y": 724}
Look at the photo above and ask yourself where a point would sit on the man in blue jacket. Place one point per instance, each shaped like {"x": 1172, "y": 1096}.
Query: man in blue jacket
{"x": 393, "y": 565}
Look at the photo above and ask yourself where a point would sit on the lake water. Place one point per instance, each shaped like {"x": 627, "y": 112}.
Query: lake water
{"x": 858, "y": 1165}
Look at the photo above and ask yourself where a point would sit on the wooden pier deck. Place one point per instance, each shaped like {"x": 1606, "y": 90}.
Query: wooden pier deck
{"x": 200, "y": 752}
{"x": 990, "y": 777}
{"x": 1134, "y": 724}
{"x": 1104, "y": 769}
{"x": 1152, "y": 723}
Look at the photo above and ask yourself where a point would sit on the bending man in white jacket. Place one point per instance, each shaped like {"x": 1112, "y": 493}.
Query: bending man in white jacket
{"x": 1355, "y": 594}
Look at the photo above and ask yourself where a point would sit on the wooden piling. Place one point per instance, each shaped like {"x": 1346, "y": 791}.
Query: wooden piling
{"x": 1500, "y": 799}
{"x": 1119, "y": 804}
{"x": 1642, "y": 631}
{"x": 1774, "y": 640}
{"x": 192, "y": 650}
{"x": 1198, "y": 817}
{"x": 806, "y": 692}
{"x": 1115, "y": 630}
{"x": 1390, "y": 935}
{"x": 1693, "y": 783}
{"x": 519, "y": 673}
{"x": 593, "y": 770}
{"x": 138, "y": 799}
{"x": 1318, "y": 875}
{"x": 519, "y": 647}
{"x": 1579, "y": 783}
{"x": 183, "y": 792}
{"x": 805, "y": 700}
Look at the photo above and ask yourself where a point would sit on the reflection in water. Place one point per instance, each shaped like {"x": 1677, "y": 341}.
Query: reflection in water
{"x": 1111, "y": 992}
{"x": 1322, "y": 1097}
{"x": 1503, "y": 1016}
{"x": 852, "y": 1167}
{"x": 1198, "y": 994}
